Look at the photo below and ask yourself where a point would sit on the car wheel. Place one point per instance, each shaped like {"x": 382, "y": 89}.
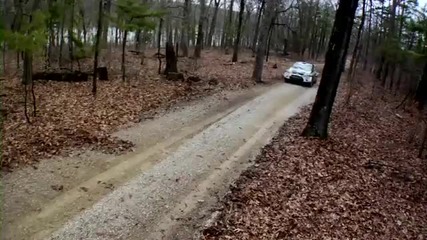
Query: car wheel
{"x": 286, "y": 80}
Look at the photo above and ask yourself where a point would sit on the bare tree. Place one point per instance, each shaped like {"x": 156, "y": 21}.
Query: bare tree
{"x": 269, "y": 15}
{"x": 97, "y": 46}
{"x": 228, "y": 28}
{"x": 213, "y": 23}
{"x": 259, "y": 14}
{"x": 185, "y": 28}
{"x": 239, "y": 31}
{"x": 355, "y": 56}
{"x": 198, "y": 49}
{"x": 317, "y": 125}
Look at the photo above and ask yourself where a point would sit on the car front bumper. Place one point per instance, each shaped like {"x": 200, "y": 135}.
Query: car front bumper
{"x": 297, "y": 79}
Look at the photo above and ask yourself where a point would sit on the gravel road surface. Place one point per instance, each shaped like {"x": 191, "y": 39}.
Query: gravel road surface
{"x": 167, "y": 189}
{"x": 138, "y": 208}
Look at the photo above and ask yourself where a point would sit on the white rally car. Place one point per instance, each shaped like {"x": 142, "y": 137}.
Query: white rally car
{"x": 301, "y": 73}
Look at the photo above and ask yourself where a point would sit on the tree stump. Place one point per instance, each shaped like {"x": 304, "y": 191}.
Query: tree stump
{"x": 193, "y": 79}
{"x": 102, "y": 73}
{"x": 171, "y": 59}
{"x": 174, "y": 76}
{"x": 75, "y": 76}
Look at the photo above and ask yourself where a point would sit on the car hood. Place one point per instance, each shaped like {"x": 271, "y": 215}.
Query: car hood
{"x": 298, "y": 71}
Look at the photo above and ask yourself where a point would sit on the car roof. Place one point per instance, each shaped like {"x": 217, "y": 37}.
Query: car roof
{"x": 303, "y": 63}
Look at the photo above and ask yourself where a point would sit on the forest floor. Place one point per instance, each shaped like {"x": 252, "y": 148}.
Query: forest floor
{"x": 68, "y": 117}
{"x": 364, "y": 182}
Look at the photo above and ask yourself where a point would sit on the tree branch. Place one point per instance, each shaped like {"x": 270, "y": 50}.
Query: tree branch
{"x": 284, "y": 24}
{"x": 287, "y": 9}
{"x": 174, "y": 6}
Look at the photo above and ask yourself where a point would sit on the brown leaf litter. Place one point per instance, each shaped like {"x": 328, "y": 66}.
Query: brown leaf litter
{"x": 68, "y": 117}
{"x": 364, "y": 182}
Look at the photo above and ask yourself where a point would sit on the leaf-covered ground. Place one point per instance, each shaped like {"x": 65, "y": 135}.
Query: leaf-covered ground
{"x": 364, "y": 182}
{"x": 68, "y": 117}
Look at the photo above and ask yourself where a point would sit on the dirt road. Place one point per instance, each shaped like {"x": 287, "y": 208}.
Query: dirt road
{"x": 166, "y": 188}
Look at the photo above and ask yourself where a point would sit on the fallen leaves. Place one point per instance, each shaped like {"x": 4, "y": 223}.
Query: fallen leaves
{"x": 364, "y": 182}
{"x": 69, "y": 117}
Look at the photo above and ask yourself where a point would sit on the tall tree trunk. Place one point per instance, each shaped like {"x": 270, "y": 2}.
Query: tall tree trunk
{"x": 421, "y": 92}
{"x": 16, "y": 25}
{"x": 171, "y": 60}
{"x": 317, "y": 125}
{"x": 213, "y": 23}
{"x": 399, "y": 80}
{"x": 269, "y": 15}
{"x": 159, "y": 42}
{"x": 312, "y": 46}
{"x": 193, "y": 32}
{"x": 269, "y": 36}
{"x": 384, "y": 75}
{"x": 97, "y": 47}
{"x": 321, "y": 44}
{"x": 314, "y": 30}
{"x": 401, "y": 24}
{"x": 116, "y": 39}
{"x": 125, "y": 35}
{"x": 82, "y": 14}
{"x": 105, "y": 24}
{"x": 356, "y": 51}
{"x": 255, "y": 39}
{"x": 51, "y": 36}
{"x": 229, "y": 32}
{"x": 70, "y": 34}
{"x": 198, "y": 49}
{"x": 28, "y": 66}
{"x": 137, "y": 40}
{"x": 27, "y": 77}
{"x": 4, "y": 58}
{"x": 239, "y": 31}
{"x": 368, "y": 40}
{"x": 392, "y": 74}
{"x": 224, "y": 28}
{"x": 185, "y": 28}
{"x": 61, "y": 44}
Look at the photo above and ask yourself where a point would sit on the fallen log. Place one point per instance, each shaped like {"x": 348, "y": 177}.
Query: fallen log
{"x": 194, "y": 79}
{"x": 136, "y": 52}
{"x": 75, "y": 76}
{"x": 174, "y": 76}
{"x": 159, "y": 55}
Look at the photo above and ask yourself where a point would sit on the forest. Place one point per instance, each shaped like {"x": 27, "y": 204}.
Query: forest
{"x": 78, "y": 41}
{"x": 141, "y": 43}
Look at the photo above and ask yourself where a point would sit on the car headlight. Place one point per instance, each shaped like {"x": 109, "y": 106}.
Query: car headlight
{"x": 308, "y": 78}
{"x": 287, "y": 74}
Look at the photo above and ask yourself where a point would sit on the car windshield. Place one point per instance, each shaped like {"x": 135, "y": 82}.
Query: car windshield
{"x": 302, "y": 66}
